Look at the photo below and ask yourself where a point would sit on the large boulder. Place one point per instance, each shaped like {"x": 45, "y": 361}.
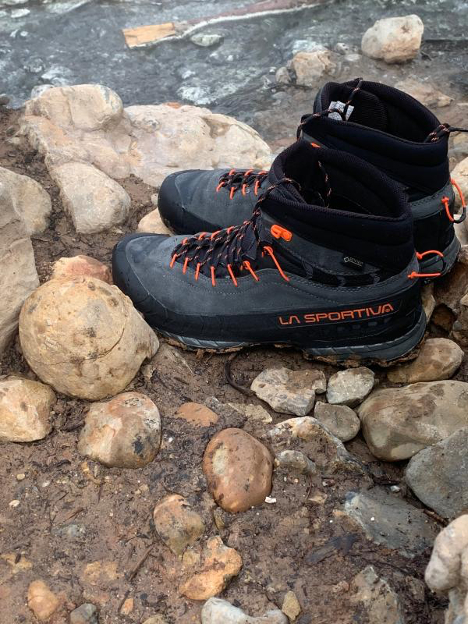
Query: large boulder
{"x": 394, "y": 39}
{"x": 88, "y": 124}
{"x": 84, "y": 337}
{"x": 399, "y": 422}
{"x": 18, "y": 278}
{"x": 30, "y": 200}
{"x": 437, "y": 475}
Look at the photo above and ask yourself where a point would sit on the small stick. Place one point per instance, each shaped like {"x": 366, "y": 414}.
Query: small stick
{"x": 141, "y": 561}
{"x": 230, "y": 380}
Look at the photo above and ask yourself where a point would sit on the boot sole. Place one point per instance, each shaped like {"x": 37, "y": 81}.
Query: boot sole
{"x": 383, "y": 354}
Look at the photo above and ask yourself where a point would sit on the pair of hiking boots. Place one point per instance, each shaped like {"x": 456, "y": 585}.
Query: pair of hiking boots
{"x": 326, "y": 252}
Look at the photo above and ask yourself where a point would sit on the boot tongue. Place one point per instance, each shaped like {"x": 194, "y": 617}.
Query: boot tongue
{"x": 365, "y": 109}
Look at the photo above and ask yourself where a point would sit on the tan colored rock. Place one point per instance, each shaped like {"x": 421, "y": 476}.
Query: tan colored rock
{"x": 30, "y": 201}
{"x": 177, "y": 524}
{"x": 378, "y": 600}
{"x": 341, "y": 420}
{"x": 94, "y": 201}
{"x": 447, "y": 572}
{"x": 81, "y": 266}
{"x": 42, "y": 602}
{"x": 197, "y": 415}
{"x": 153, "y": 224}
{"x": 24, "y": 410}
{"x": 460, "y": 326}
{"x": 87, "y": 124}
{"x": 428, "y": 300}
{"x": 287, "y": 391}
{"x": 312, "y": 66}
{"x": 100, "y": 573}
{"x": 399, "y": 422}
{"x": 84, "y": 337}
{"x": 219, "y": 565}
{"x": 124, "y": 432}
{"x": 460, "y": 175}
{"x": 217, "y": 611}
{"x": 238, "y": 470}
{"x": 438, "y": 359}
{"x": 394, "y": 39}
{"x": 127, "y": 607}
{"x": 18, "y": 277}
{"x": 449, "y": 289}
{"x": 291, "y": 606}
{"x": 424, "y": 92}
{"x": 86, "y": 107}
{"x": 156, "y": 619}
{"x": 254, "y": 413}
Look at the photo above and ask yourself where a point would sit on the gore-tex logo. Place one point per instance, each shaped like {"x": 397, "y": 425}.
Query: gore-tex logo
{"x": 335, "y": 317}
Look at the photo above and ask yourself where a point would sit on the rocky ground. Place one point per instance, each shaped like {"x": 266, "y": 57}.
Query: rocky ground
{"x": 293, "y": 491}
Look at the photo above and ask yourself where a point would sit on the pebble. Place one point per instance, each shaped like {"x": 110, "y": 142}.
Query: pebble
{"x": 238, "y": 470}
{"x": 447, "y": 572}
{"x": 124, "y": 432}
{"x": 85, "y": 614}
{"x": 399, "y": 422}
{"x": 127, "y": 607}
{"x": 380, "y": 602}
{"x": 206, "y": 40}
{"x": 25, "y": 409}
{"x": 4, "y": 100}
{"x": 312, "y": 66}
{"x": 81, "y": 266}
{"x": 341, "y": 420}
{"x": 438, "y": 359}
{"x": 197, "y": 415}
{"x": 291, "y": 607}
{"x": 390, "y": 521}
{"x": 295, "y": 461}
{"x": 219, "y": 565}
{"x": 394, "y": 39}
{"x": 350, "y": 387}
{"x": 287, "y": 391}
{"x": 177, "y": 524}
{"x": 42, "y": 601}
{"x": 438, "y": 475}
{"x": 218, "y": 611}
{"x": 153, "y": 224}
{"x": 156, "y": 619}
{"x": 84, "y": 337}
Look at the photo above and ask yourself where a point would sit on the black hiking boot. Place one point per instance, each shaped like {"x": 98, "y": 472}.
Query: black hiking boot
{"x": 400, "y": 136}
{"x": 325, "y": 263}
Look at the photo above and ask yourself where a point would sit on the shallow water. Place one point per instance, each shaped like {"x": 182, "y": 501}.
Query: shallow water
{"x": 80, "y": 41}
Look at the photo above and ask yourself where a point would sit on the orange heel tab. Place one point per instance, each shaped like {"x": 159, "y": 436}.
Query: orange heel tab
{"x": 279, "y": 231}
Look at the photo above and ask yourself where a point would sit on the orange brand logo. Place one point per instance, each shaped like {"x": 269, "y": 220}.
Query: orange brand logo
{"x": 342, "y": 315}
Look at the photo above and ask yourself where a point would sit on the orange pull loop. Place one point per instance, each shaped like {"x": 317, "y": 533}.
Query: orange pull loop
{"x": 280, "y": 232}
{"x": 446, "y": 203}
{"x": 315, "y": 145}
{"x": 420, "y": 256}
{"x": 271, "y": 253}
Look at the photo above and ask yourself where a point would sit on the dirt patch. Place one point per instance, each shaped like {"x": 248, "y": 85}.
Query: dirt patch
{"x": 73, "y": 513}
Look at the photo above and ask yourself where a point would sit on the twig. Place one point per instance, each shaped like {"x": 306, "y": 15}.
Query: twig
{"x": 230, "y": 380}
{"x": 141, "y": 561}
{"x": 435, "y": 516}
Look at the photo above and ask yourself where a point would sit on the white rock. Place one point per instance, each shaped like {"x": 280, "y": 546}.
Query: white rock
{"x": 287, "y": 391}
{"x": 87, "y": 124}
{"x": 310, "y": 67}
{"x": 206, "y": 40}
{"x": 153, "y": 224}
{"x": 94, "y": 201}
{"x": 217, "y": 611}
{"x": 124, "y": 432}
{"x": 30, "y": 200}
{"x": 18, "y": 277}
{"x": 84, "y": 337}
{"x": 25, "y": 407}
{"x": 394, "y": 39}
{"x": 424, "y": 92}
{"x": 460, "y": 175}
{"x": 350, "y": 387}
